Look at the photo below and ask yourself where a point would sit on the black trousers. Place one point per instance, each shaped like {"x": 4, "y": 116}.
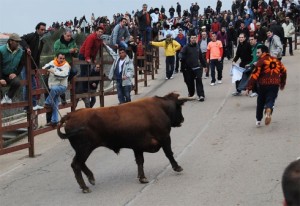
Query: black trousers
{"x": 289, "y": 39}
{"x": 190, "y": 77}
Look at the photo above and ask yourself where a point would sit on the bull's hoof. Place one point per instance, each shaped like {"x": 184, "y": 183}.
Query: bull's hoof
{"x": 143, "y": 180}
{"x": 92, "y": 181}
{"x": 178, "y": 169}
{"x": 86, "y": 190}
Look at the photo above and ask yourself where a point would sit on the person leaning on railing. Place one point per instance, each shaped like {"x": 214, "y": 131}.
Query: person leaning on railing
{"x": 12, "y": 60}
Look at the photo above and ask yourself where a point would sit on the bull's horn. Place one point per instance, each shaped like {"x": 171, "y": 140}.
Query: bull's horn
{"x": 188, "y": 98}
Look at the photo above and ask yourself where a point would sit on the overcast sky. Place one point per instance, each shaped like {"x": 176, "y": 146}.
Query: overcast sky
{"x": 21, "y": 16}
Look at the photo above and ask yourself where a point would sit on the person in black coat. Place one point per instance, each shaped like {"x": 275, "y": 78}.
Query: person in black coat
{"x": 260, "y": 33}
{"x": 178, "y": 10}
{"x": 244, "y": 53}
{"x": 277, "y": 30}
{"x": 33, "y": 43}
{"x": 191, "y": 70}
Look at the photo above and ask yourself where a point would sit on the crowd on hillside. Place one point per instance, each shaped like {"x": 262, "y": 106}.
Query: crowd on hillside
{"x": 193, "y": 19}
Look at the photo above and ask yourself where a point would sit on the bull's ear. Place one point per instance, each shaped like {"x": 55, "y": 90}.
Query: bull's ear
{"x": 172, "y": 95}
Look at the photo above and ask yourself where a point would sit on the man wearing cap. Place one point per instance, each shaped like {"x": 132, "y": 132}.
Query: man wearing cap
{"x": 170, "y": 46}
{"x": 11, "y": 63}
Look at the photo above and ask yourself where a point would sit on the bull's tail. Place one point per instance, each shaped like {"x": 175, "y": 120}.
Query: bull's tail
{"x": 68, "y": 134}
{"x": 61, "y": 123}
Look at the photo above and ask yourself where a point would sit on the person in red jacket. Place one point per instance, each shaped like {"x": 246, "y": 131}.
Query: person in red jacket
{"x": 88, "y": 52}
{"x": 215, "y": 26}
{"x": 91, "y": 46}
{"x": 270, "y": 75}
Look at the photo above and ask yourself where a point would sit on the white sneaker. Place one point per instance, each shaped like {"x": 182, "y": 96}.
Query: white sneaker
{"x": 36, "y": 107}
{"x": 219, "y": 81}
{"x": 236, "y": 93}
{"x": 6, "y": 100}
{"x": 258, "y": 123}
{"x": 167, "y": 78}
{"x": 201, "y": 99}
{"x": 212, "y": 84}
{"x": 172, "y": 77}
{"x": 254, "y": 94}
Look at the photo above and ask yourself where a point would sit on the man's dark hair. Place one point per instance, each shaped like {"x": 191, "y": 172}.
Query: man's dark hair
{"x": 253, "y": 36}
{"x": 39, "y": 25}
{"x": 122, "y": 49}
{"x": 263, "y": 48}
{"x": 59, "y": 53}
{"x": 291, "y": 183}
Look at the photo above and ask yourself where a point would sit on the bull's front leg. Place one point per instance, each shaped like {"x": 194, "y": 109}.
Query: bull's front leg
{"x": 169, "y": 153}
{"x": 139, "y": 158}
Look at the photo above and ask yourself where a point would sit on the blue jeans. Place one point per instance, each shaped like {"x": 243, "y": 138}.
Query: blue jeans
{"x": 53, "y": 100}
{"x": 148, "y": 33}
{"x": 265, "y": 99}
{"x": 123, "y": 44}
{"x": 170, "y": 60}
{"x": 34, "y": 86}
{"x": 214, "y": 63}
{"x": 123, "y": 92}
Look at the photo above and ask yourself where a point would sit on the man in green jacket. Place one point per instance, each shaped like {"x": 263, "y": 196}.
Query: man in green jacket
{"x": 11, "y": 63}
{"x": 254, "y": 44}
{"x": 66, "y": 45}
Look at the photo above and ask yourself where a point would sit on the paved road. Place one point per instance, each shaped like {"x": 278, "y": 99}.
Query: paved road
{"x": 226, "y": 160}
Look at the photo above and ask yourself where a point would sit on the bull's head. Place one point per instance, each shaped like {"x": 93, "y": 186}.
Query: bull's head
{"x": 176, "y": 109}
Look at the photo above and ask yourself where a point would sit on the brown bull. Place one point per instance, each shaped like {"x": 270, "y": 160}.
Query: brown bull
{"x": 143, "y": 126}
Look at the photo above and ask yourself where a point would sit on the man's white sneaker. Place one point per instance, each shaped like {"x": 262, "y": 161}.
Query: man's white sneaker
{"x": 236, "y": 94}
{"x": 36, "y": 107}
{"x": 6, "y": 100}
{"x": 254, "y": 94}
{"x": 258, "y": 123}
{"x": 201, "y": 99}
{"x": 172, "y": 77}
{"x": 212, "y": 84}
{"x": 167, "y": 78}
{"x": 219, "y": 82}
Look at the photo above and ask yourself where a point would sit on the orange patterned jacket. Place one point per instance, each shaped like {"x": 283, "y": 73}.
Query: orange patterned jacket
{"x": 268, "y": 71}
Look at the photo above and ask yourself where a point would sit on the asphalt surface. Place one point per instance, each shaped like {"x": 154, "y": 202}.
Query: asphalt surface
{"x": 226, "y": 160}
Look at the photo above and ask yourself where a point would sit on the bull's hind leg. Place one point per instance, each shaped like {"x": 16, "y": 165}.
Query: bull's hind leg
{"x": 88, "y": 173}
{"x": 79, "y": 165}
{"x": 169, "y": 153}
{"x": 139, "y": 158}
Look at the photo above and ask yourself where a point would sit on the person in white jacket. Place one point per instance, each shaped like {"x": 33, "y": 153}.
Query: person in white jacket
{"x": 289, "y": 31}
{"x": 58, "y": 70}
